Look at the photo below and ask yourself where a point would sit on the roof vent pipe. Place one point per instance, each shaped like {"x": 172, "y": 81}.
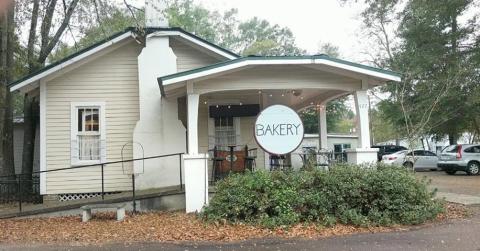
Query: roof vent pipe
{"x": 155, "y": 14}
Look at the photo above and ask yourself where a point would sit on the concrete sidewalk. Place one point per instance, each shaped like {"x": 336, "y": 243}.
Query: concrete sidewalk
{"x": 463, "y": 199}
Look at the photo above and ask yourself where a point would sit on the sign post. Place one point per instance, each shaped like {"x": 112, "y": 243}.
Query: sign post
{"x": 278, "y": 130}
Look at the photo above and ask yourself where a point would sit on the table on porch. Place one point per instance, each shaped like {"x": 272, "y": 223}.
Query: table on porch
{"x": 231, "y": 160}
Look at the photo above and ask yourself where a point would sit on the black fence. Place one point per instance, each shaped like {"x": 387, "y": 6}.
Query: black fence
{"x": 20, "y": 188}
{"x": 25, "y": 188}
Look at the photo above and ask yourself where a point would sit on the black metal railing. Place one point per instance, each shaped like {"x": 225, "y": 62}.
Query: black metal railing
{"x": 19, "y": 189}
{"x": 25, "y": 188}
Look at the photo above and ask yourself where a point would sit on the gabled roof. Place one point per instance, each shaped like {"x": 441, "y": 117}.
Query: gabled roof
{"x": 130, "y": 32}
{"x": 278, "y": 60}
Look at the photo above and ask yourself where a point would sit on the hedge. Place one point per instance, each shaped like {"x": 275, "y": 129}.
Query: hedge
{"x": 360, "y": 196}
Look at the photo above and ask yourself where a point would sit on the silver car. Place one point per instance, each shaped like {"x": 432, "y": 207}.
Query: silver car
{"x": 464, "y": 158}
{"x": 423, "y": 159}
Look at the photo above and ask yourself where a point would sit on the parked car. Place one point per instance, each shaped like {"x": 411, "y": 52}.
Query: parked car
{"x": 417, "y": 159}
{"x": 464, "y": 158}
{"x": 387, "y": 149}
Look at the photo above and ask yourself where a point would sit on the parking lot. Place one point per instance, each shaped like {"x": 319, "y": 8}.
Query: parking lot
{"x": 460, "y": 183}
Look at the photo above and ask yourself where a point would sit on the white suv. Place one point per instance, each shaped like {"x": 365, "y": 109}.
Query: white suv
{"x": 464, "y": 158}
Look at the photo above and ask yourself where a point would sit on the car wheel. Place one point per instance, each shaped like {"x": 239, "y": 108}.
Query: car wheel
{"x": 450, "y": 172}
{"x": 473, "y": 168}
{"x": 408, "y": 165}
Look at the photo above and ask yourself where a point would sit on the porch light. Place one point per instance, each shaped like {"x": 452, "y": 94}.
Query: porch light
{"x": 271, "y": 95}
{"x": 228, "y": 107}
{"x": 259, "y": 92}
{"x": 216, "y": 106}
{"x": 283, "y": 94}
{"x": 301, "y": 97}
{"x": 241, "y": 103}
{"x": 205, "y": 102}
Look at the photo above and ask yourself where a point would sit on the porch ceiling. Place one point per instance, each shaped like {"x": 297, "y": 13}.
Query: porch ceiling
{"x": 297, "y": 99}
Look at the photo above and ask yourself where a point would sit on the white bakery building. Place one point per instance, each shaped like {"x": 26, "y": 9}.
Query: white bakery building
{"x": 173, "y": 92}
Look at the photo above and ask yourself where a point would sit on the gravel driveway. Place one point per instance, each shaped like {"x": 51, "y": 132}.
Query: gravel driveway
{"x": 459, "y": 183}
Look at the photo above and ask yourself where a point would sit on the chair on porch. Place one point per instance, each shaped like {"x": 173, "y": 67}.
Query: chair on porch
{"x": 324, "y": 158}
{"x": 216, "y": 164}
{"x": 279, "y": 162}
{"x": 250, "y": 157}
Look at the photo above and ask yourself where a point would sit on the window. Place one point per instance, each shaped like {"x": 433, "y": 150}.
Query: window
{"x": 417, "y": 153}
{"x": 225, "y": 134}
{"x": 473, "y": 149}
{"x": 451, "y": 149}
{"x": 339, "y": 151}
{"x": 88, "y": 133}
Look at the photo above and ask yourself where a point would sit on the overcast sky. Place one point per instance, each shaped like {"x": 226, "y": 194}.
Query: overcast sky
{"x": 312, "y": 21}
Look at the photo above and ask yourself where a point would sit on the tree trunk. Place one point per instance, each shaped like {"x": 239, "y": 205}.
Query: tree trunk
{"x": 7, "y": 167}
{"x": 29, "y": 128}
{"x": 47, "y": 44}
{"x": 452, "y": 139}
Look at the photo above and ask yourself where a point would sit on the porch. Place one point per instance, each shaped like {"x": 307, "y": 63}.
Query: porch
{"x": 218, "y": 104}
{"x": 226, "y": 130}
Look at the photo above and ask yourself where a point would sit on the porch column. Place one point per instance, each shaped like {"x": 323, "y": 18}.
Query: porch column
{"x": 361, "y": 105}
{"x": 363, "y": 154}
{"x": 195, "y": 164}
{"x": 322, "y": 126}
{"x": 192, "y": 123}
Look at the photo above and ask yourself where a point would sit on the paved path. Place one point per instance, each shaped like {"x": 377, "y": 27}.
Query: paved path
{"x": 455, "y": 235}
{"x": 459, "y": 188}
{"x": 459, "y": 183}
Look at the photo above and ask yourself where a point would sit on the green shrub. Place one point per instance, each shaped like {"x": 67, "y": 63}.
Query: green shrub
{"x": 361, "y": 196}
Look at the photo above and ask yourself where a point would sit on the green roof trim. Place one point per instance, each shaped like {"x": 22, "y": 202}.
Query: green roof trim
{"x": 313, "y": 57}
{"x": 118, "y": 34}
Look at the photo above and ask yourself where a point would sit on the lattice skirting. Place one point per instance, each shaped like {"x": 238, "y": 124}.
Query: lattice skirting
{"x": 80, "y": 196}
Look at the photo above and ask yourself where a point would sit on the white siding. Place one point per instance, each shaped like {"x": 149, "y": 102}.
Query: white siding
{"x": 113, "y": 79}
{"x": 189, "y": 58}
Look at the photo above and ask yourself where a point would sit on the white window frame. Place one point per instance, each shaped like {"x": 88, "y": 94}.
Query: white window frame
{"x": 74, "y": 106}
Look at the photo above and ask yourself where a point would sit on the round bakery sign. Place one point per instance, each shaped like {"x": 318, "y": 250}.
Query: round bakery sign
{"x": 278, "y": 130}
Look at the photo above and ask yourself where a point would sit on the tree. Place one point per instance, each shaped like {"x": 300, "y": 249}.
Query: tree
{"x": 7, "y": 45}
{"x": 436, "y": 57}
{"x": 339, "y": 117}
{"x": 44, "y": 35}
{"x": 329, "y": 49}
{"x": 435, "y": 54}
{"x": 252, "y": 37}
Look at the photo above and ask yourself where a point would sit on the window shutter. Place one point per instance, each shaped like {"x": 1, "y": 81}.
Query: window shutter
{"x": 74, "y": 151}
{"x": 103, "y": 151}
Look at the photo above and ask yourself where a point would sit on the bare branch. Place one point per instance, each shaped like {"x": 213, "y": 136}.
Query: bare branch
{"x": 53, "y": 42}
{"x": 33, "y": 34}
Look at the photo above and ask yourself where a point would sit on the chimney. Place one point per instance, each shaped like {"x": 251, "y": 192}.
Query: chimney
{"x": 154, "y": 14}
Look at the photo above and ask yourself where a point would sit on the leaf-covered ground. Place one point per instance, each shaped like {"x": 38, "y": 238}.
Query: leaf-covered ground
{"x": 164, "y": 227}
